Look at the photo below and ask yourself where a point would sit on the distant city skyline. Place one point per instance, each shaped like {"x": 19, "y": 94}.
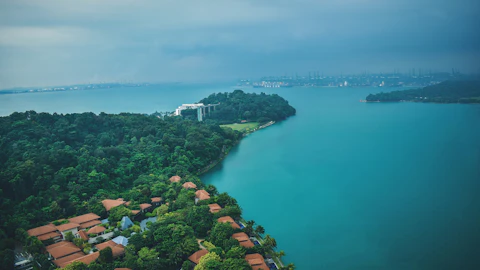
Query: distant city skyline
{"x": 414, "y": 72}
{"x": 59, "y": 43}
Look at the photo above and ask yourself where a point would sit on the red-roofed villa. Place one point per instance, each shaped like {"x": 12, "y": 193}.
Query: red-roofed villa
{"x": 230, "y": 220}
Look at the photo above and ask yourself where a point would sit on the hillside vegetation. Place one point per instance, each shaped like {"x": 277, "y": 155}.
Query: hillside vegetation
{"x": 252, "y": 107}
{"x": 445, "y": 92}
{"x": 55, "y": 166}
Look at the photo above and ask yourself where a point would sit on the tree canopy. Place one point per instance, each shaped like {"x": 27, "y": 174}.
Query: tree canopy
{"x": 62, "y": 165}
{"x": 445, "y": 92}
{"x": 57, "y": 166}
{"x": 238, "y": 105}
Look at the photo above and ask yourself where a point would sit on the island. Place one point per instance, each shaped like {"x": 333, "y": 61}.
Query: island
{"x": 453, "y": 91}
{"x": 110, "y": 191}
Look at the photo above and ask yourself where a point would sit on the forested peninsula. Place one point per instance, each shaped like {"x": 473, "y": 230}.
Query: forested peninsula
{"x": 123, "y": 190}
{"x": 467, "y": 91}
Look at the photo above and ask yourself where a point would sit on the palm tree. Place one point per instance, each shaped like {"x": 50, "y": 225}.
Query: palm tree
{"x": 259, "y": 230}
{"x": 249, "y": 227}
{"x": 269, "y": 242}
{"x": 280, "y": 254}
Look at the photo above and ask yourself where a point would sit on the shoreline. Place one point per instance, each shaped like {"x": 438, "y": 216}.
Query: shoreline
{"x": 205, "y": 170}
{"x": 227, "y": 151}
{"x": 413, "y": 101}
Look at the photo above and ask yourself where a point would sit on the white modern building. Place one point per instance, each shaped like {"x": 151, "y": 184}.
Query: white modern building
{"x": 201, "y": 108}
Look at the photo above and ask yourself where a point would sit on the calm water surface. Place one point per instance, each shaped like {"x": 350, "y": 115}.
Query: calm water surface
{"x": 343, "y": 184}
{"x": 349, "y": 185}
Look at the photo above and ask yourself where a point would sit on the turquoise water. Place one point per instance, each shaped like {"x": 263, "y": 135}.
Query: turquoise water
{"x": 115, "y": 100}
{"x": 349, "y": 185}
{"x": 343, "y": 184}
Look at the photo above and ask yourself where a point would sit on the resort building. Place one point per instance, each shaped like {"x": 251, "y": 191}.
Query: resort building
{"x": 97, "y": 230}
{"x": 83, "y": 235}
{"x": 201, "y": 108}
{"x": 195, "y": 257}
{"x": 145, "y": 207}
{"x": 68, "y": 227}
{"x": 86, "y": 221}
{"x": 121, "y": 240}
{"x": 109, "y": 204}
{"x": 65, "y": 253}
{"x": 156, "y": 201}
{"x": 86, "y": 259}
{"x": 125, "y": 223}
{"x": 214, "y": 208}
{"x": 243, "y": 239}
{"x": 188, "y": 185}
{"x": 175, "y": 179}
{"x": 46, "y": 232}
{"x": 73, "y": 225}
{"x": 201, "y": 195}
{"x": 228, "y": 219}
{"x": 117, "y": 249}
{"x": 256, "y": 261}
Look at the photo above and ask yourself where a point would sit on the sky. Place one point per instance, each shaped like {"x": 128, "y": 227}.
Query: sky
{"x": 45, "y": 43}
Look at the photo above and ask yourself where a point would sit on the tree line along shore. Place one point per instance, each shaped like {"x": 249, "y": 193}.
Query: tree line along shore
{"x": 453, "y": 91}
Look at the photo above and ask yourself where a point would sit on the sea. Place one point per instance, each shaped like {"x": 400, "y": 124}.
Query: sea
{"x": 342, "y": 184}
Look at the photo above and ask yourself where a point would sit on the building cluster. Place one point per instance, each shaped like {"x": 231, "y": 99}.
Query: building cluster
{"x": 63, "y": 253}
{"x": 90, "y": 227}
{"x": 396, "y": 79}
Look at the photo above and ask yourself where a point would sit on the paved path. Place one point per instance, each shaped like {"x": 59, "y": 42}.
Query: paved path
{"x": 200, "y": 245}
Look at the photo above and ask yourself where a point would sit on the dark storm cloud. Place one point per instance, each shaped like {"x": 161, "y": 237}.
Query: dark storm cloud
{"x": 57, "y": 42}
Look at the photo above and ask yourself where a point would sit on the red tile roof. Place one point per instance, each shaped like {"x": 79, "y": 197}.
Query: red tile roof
{"x": 195, "y": 257}
{"x": 202, "y": 195}
{"x": 68, "y": 258}
{"x": 214, "y": 207}
{"x": 256, "y": 261}
{"x": 135, "y": 212}
{"x": 96, "y": 230}
{"x": 144, "y": 206}
{"x": 83, "y": 235}
{"x": 47, "y": 236}
{"x": 103, "y": 245}
{"x": 84, "y": 218}
{"x": 67, "y": 226}
{"x": 109, "y": 204}
{"x": 243, "y": 239}
{"x": 175, "y": 178}
{"x": 59, "y": 244}
{"x": 87, "y": 259}
{"x": 156, "y": 199}
{"x": 42, "y": 230}
{"x": 117, "y": 249}
{"x": 89, "y": 224}
{"x": 63, "y": 249}
{"x": 229, "y": 220}
{"x": 188, "y": 185}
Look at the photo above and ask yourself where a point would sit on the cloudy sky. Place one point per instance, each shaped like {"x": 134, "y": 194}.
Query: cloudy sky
{"x": 60, "y": 42}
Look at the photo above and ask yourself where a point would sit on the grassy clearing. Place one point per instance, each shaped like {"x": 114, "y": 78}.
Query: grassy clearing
{"x": 242, "y": 127}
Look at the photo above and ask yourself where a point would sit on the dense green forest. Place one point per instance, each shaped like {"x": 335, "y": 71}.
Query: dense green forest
{"x": 238, "y": 105}
{"x": 55, "y": 166}
{"x": 445, "y": 92}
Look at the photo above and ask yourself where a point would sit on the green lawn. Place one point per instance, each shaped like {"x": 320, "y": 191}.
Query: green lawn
{"x": 242, "y": 127}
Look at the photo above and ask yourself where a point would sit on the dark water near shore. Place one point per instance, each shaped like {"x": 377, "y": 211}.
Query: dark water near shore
{"x": 343, "y": 184}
